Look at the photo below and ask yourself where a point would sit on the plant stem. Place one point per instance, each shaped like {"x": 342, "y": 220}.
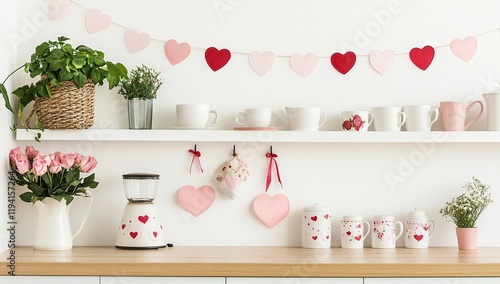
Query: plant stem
{"x": 11, "y": 73}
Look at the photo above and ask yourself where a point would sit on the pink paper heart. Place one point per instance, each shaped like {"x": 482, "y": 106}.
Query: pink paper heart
{"x": 271, "y": 210}
{"x": 136, "y": 41}
{"x": 261, "y": 62}
{"x": 382, "y": 61}
{"x": 196, "y": 201}
{"x": 60, "y": 9}
{"x": 231, "y": 181}
{"x": 176, "y": 52}
{"x": 97, "y": 21}
{"x": 464, "y": 49}
{"x": 303, "y": 65}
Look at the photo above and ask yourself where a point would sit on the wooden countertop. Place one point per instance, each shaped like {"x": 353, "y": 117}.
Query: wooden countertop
{"x": 257, "y": 261}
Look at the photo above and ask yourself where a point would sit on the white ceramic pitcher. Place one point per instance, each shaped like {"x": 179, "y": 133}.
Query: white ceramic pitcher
{"x": 492, "y": 110}
{"x": 54, "y": 230}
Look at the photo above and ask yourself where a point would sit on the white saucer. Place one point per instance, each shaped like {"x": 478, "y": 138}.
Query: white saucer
{"x": 248, "y": 128}
{"x": 193, "y": 128}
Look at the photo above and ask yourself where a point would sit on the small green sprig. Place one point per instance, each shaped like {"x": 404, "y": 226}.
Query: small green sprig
{"x": 143, "y": 83}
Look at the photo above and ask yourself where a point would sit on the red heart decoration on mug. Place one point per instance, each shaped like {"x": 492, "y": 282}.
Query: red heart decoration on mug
{"x": 155, "y": 234}
{"x": 343, "y": 62}
{"x": 216, "y": 59}
{"x": 357, "y": 238}
{"x": 123, "y": 226}
{"x": 422, "y": 58}
{"x": 133, "y": 234}
{"x": 418, "y": 237}
{"x": 143, "y": 219}
{"x": 314, "y": 218}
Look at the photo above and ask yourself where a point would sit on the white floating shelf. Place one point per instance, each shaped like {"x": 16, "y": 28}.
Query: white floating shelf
{"x": 263, "y": 136}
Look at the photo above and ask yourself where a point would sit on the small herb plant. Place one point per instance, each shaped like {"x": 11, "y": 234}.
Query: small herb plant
{"x": 56, "y": 62}
{"x": 143, "y": 83}
{"x": 466, "y": 208}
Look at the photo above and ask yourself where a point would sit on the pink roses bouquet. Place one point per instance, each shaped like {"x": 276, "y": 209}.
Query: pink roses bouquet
{"x": 54, "y": 175}
{"x": 356, "y": 121}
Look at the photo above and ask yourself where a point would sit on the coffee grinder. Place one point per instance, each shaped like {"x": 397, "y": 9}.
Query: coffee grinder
{"x": 140, "y": 227}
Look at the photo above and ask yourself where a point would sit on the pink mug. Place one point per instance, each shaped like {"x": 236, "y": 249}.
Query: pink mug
{"x": 453, "y": 114}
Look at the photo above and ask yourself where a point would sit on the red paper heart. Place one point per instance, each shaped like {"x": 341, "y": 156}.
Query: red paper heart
{"x": 133, "y": 234}
{"x": 123, "y": 226}
{"x": 358, "y": 237}
{"x": 216, "y": 59}
{"x": 418, "y": 237}
{"x": 314, "y": 237}
{"x": 343, "y": 62}
{"x": 314, "y": 218}
{"x": 348, "y": 233}
{"x": 155, "y": 234}
{"x": 143, "y": 219}
{"x": 422, "y": 58}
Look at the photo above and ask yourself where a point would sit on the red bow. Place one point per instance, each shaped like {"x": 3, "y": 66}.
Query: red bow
{"x": 272, "y": 157}
{"x": 196, "y": 155}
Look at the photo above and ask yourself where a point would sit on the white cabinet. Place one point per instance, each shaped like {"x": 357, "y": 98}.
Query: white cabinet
{"x": 432, "y": 280}
{"x": 49, "y": 279}
{"x": 162, "y": 280}
{"x": 282, "y": 280}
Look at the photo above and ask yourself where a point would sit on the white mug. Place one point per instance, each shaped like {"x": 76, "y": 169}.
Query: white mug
{"x": 195, "y": 115}
{"x": 420, "y": 118}
{"x": 356, "y": 120}
{"x": 316, "y": 227}
{"x": 418, "y": 229}
{"x": 388, "y": 118}
{"x": 353, "y": 231}
{"x": 384, "y": 231}
{"x": 305, "y": 118}
{"x": 255, "y": 117}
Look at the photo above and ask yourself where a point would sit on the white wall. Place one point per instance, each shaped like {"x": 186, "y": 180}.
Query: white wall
{"x": 347, "y": 178}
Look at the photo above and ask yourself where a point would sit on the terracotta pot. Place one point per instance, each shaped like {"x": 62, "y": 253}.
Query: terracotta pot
{"x": 467, "y": 238}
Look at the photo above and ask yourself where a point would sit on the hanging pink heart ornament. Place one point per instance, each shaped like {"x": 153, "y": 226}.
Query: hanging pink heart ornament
{"x": 176, "y": 52}
{"x": 196, "y": 201}
{"x": 382, "y": 61}
{"x": 271, "y": 210}
{"x": 303, "y": 64}
{"x": 136, "y": 41}
{"x": 96, "y": 21}
{"x": 261, "y": 62}
{"x": 464, "y": 49}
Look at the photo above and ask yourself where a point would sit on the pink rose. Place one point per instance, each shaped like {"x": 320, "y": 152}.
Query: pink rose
{"x": 67, "y": 160}
{"x": 56, "y": 156}
{"x": 347, "y": 125}
{"x": 88, "y": 163}
{"x": 357, "y": 122}
{"x": 78, "y": 159}
{"x": 22, "y": 163}
{"x": 31, "y": 152}
{"x": 40, "y": 165}
{"x": 54, "y": 167}
{"x": 12, "y": 155}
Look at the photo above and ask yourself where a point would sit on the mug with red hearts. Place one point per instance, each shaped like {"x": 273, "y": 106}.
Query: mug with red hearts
{"x": 384, "y": 231}
{"x": 418, "y": 230}
{"x": 316, "y": 227}
{"x": 353, "y": 231}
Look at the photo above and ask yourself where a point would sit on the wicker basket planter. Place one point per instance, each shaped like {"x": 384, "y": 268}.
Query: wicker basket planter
{"x": 67, "y": 108}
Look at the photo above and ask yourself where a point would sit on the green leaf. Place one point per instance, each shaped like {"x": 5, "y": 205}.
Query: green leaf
{"x": 67, "y": 48}
{"x": 6, "y": 99}
{"x": 41, "y": 49}
{"x": 96, "y": 76}
{"x": 65, "y": 75}
{"x": 68, "y": 198}
{"x": 26, "y": 197}
{"x": 116, "y": 72}
{"x": 79, "y": 62}
{"x": 80, "y": 79}
{"x": 62, "y": 38}
{"x": 41, "y": 89}
{"x": 36, "y": 189}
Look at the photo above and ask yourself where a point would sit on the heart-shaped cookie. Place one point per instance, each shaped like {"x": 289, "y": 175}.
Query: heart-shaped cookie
{"x": 422, "y": 58}
{"x": 271, "y": 210}
{"x": 96, "y": 21}
{"x": 343, "y": 62}
{"x": 261, "y": 62}
{"x": 464, "y": 49}
{"x": 303, "y": 64}
{"x": 176, "y": 52}
{"x": 196, "y": 201}
{"x": 136, "y": 41}
{"x": 216, "y": 59}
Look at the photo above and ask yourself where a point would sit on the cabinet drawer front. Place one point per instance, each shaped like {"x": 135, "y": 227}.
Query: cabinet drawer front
{"x": 162, "y": 280}
{"x": 49, "y": 279}
{"x": 281, "y": 280}
{"x": 432, "y": 280}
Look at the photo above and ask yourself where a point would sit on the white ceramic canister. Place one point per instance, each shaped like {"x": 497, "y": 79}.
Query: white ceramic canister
{"x": 418, "y": 229}
{"x": 316, "y": 227}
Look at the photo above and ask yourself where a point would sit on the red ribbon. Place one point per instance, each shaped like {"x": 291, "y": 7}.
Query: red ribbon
{"x": 272, "y": 157}
{"x": 196, "y": 155}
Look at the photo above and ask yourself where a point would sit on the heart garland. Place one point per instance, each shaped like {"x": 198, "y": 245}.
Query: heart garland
{"x": 216, "y": 59}
{"x": 176, "y": 52}
{"x": 422, "y": 58}
{"x": 96, "y": 21}
{"x": 343, "y": 62}
{"x": 464, "y": 49}
{"x": 261, "y": 62}
{"x": 382, "y": 61}
{"x": 59, "y": 9}
{"x": 136, "y": 41}
{"x": 303, "y": 64}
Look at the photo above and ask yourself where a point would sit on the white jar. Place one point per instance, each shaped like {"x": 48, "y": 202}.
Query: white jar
{"x": 316, "y": 227}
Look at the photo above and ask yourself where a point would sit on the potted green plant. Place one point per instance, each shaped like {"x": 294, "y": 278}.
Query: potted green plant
{"x": 68, "y": 76}
{"x": 140, "y": 88}
{"x": 465, "y": 209}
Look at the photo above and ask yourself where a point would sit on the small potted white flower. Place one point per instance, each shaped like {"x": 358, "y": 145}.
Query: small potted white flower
{"x": 465, "y": 209}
